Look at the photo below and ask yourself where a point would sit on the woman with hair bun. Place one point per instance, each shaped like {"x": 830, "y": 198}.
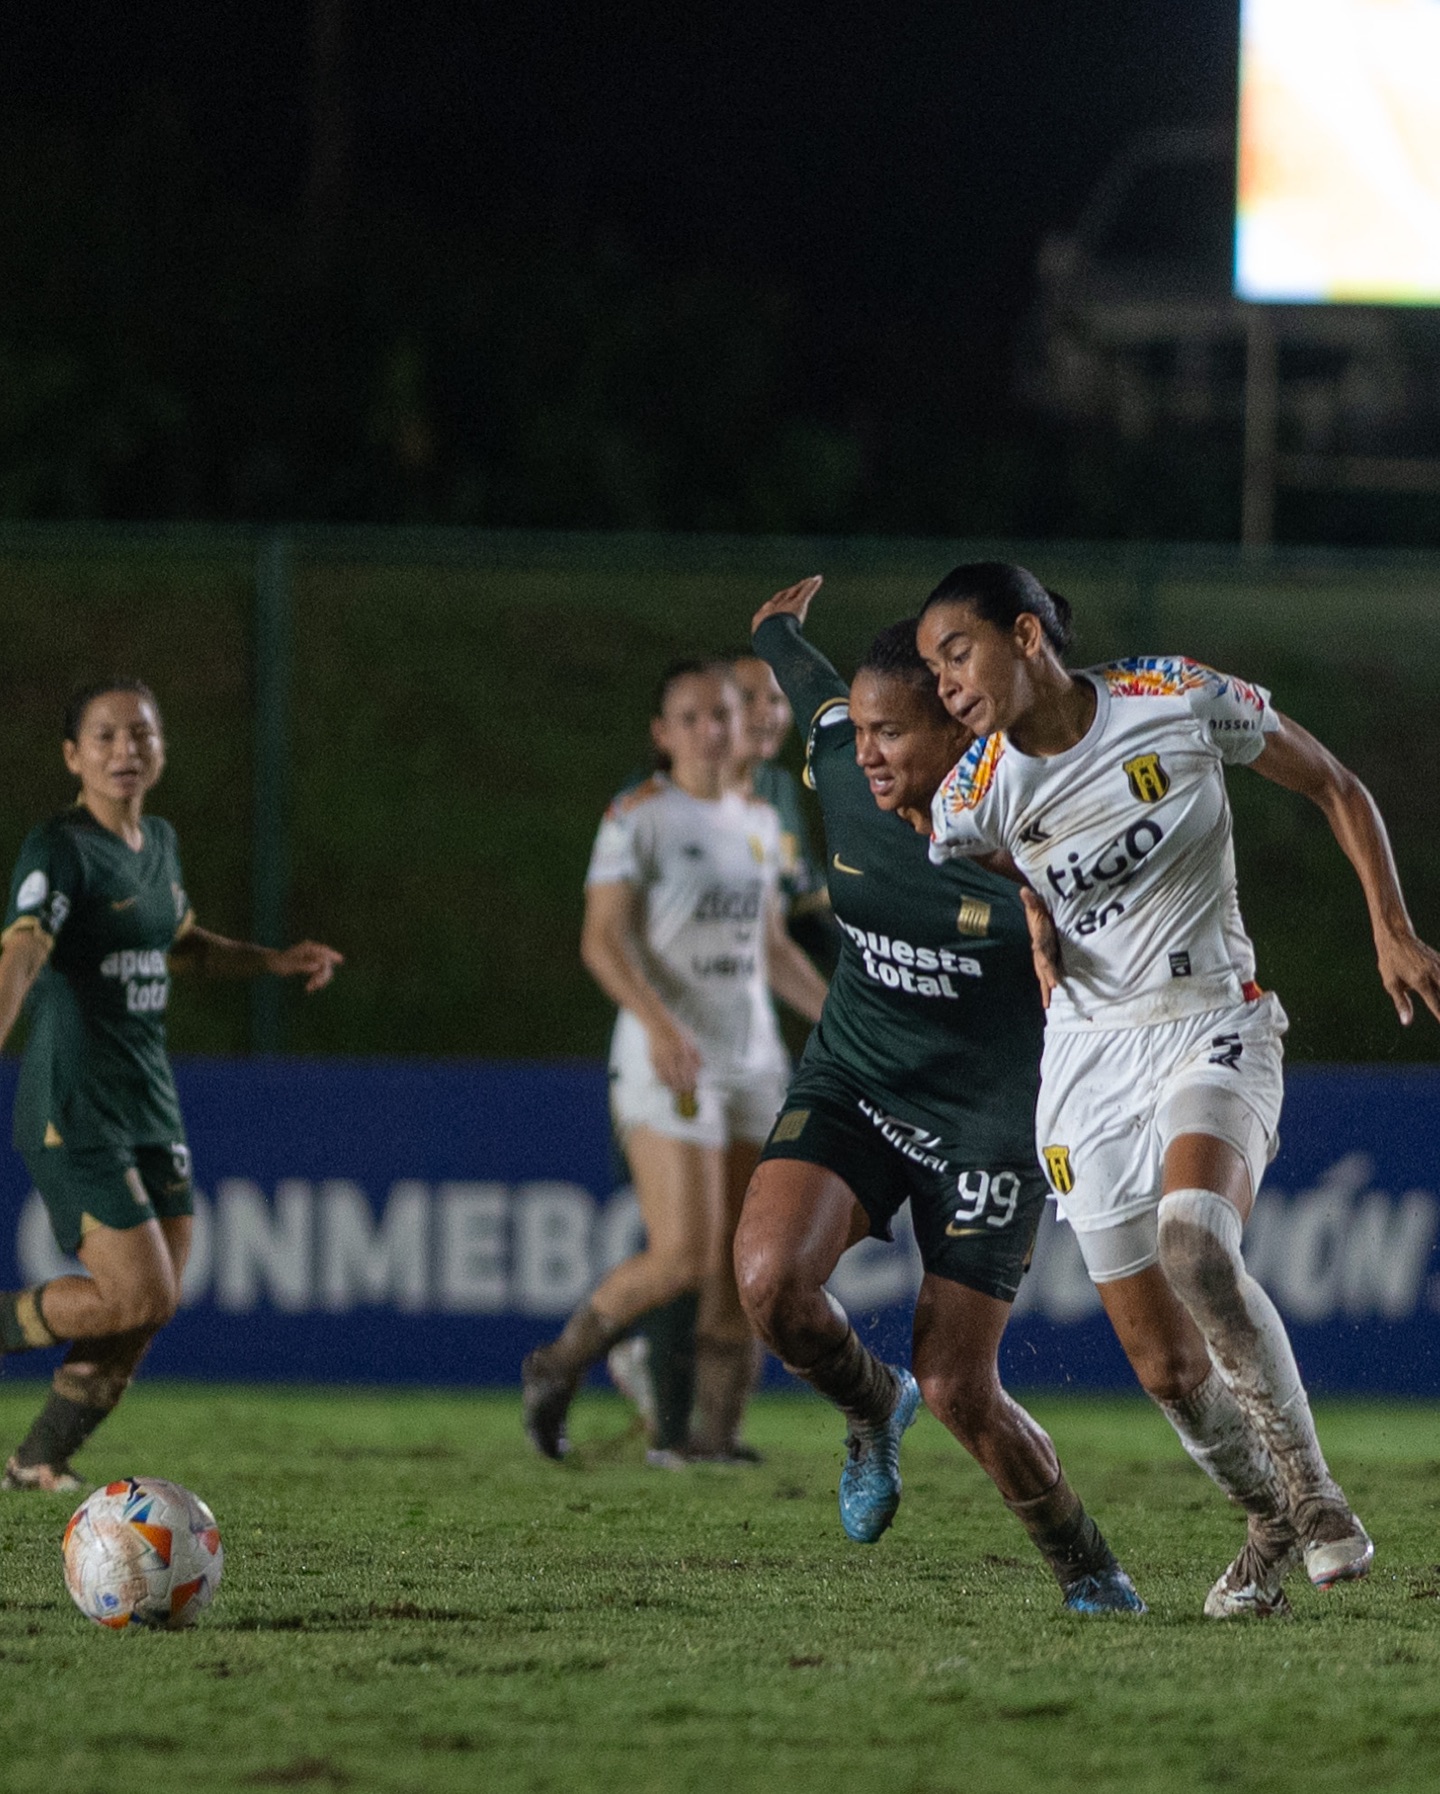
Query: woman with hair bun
{"x": 97, "y": 917}
{"x": 1161, "y": 1076}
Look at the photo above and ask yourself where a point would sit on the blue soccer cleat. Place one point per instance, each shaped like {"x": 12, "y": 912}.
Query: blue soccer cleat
{"x": 1103, "y": 1591}
{"x": 870, "y": 1480}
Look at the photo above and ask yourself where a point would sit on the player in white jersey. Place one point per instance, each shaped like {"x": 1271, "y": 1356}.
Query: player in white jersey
{"x": 1161, "y": 1082}
{"x": 684, "y": 930}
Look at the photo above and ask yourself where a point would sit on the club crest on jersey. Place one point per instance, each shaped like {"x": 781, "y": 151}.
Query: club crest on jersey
{"x": 1057, "y": 1168}
{"x": 1149, "y": 780}
{"x": 757, "y": 849}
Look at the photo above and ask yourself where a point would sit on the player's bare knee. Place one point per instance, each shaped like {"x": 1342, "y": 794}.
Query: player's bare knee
{"x": 1169, "y": 1370}
{"x": 674, "y": 1274}
{"x": 772, "y": 1289}
{"x": 964, "y": 1404}
{"x": 145, "y": 1308}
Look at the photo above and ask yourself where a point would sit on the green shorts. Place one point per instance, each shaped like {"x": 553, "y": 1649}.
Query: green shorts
{"x": 974, "y": 1223}
{"x": 110, "y": 1186}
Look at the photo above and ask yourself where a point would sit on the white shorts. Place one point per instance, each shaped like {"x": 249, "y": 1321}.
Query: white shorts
{"x": 721, "y": 1108}
{"x": 1112, "y": 1100}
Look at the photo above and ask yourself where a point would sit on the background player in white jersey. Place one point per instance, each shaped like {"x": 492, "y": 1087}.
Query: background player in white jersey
{"x": 654, "y": 1366}
{"x": 1161, "y": 1081}
{"x": 683, "y": 929}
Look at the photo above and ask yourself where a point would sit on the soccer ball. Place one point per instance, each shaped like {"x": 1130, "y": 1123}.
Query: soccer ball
{"x": 142, "y": 1552}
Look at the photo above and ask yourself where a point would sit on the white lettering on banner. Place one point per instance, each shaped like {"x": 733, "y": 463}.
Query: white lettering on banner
{"x": 471, "y": 1263}
{"x": 257, "y": 1242}
{"x": 553, "y": 1223}
{"x": 1341, "y": 1248}
{"x": 362, "y": 1262}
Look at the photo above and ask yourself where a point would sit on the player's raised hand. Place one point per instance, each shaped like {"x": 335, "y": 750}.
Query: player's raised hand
{"x": 1408, "y": 966}
{"x": 1044, "y": 944}
{"x": 794, "y": 601}
{"x": 307, "y": 960}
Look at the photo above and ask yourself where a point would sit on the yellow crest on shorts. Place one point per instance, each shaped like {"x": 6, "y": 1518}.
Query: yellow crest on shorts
{"x": 1148, "y": 778}
{"x": 1057, "y": 1167}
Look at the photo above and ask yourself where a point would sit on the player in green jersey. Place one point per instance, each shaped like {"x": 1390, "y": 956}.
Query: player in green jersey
{"x": 918, "y": 1084}
{"x": 97, "y": 915}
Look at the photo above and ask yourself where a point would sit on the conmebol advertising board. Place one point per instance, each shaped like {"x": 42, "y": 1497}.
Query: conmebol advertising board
{"x": 373, "y": 1222}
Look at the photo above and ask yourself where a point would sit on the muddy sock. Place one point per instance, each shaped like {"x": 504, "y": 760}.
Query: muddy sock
{"x": 671, "y": 1333}
{"x": 1219, "y": 1438}
{"x": 851, "y": 1376}
{"x": 22, "y": 1320}
{"x": 586, "y": 1337}
{"x": 1063, "y": 1533}
{"x": 723, "y": 1370}
{"x": 1199, "y": 1236}
{"x": 85, "y": 1388}
{"x": 60, "y": 1429}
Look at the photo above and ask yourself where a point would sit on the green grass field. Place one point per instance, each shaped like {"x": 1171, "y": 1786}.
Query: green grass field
{"x": 413, "y": 1601}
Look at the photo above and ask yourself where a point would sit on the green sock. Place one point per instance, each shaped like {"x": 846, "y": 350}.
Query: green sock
{"x": 671, "y": 1333}
{"x": 61, "y": 1428}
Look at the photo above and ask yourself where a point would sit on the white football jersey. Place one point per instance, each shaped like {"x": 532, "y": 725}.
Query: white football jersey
{"x": 1127, "y": 838}
{"x": 706, "y": 873}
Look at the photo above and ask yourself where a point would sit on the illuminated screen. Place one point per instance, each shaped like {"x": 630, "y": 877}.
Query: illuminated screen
{"x": 1339, "y": 169}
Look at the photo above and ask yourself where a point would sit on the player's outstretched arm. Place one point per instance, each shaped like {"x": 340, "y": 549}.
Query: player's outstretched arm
{"x": 215, "y": 957}
{"x": 1292, "y": 757}
{"x": 794, "y": 601}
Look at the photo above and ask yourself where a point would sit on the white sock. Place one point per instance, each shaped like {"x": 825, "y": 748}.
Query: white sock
{"x": 1217, "y": 1436}
{"x": 1199, "y": 1237}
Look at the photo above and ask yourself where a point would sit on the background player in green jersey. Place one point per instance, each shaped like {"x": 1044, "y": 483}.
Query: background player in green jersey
{"x": 918, "y": 1084}
{"x": 96, "y": 916}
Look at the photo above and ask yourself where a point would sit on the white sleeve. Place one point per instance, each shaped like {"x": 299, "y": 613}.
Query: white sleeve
{"x": 1237, "y": 717}
{"x": 616, "y": 857}
{"x": 959, "y": 816}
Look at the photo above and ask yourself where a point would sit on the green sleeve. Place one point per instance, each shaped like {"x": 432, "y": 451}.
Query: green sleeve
{"x": 45, "y": 883}
{"x": 807, "y": 679}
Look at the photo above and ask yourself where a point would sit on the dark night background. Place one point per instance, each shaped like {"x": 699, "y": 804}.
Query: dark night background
{"x": 740, "y": 266}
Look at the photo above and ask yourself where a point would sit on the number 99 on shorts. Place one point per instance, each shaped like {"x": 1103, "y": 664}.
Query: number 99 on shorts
{"x": 987, "y": 1198}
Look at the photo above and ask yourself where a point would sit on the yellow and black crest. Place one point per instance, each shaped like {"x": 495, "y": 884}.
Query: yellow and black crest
{"x": 974, "y": 917}
{"x": 1148, "y": 778}
{"x": 1057, "y": 1166}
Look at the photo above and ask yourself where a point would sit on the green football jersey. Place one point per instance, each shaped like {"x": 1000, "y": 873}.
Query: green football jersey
{"x": 934, "y": 1005}
{"x": 95, "y": 1071}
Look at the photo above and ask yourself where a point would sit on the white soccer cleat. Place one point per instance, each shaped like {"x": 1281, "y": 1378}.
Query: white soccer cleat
{"x": 1345, "y": 1558}
{"x": 44, "y": 1477}
{"x": 1253, "y": 1587}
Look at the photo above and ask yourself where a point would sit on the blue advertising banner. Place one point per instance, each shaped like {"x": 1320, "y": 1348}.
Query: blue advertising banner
{"x": 376, "y": 1222}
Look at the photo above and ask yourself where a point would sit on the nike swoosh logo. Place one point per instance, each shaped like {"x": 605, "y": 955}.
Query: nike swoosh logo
{"x": 840, "y": 866}
{"x": 126, "y": 903}
{"x": 963, "y": 1233}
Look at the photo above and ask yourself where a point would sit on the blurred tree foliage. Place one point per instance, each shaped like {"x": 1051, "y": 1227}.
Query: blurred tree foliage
{"x": 169, "y": 352}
